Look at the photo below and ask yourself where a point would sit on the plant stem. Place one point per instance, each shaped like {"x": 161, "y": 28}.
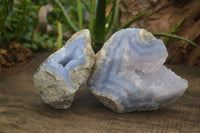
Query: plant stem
{"x": 127, "y": 24}
{"x": 109, "y": 19}
{"x": 80, "y": 14}
{"x": 174, "y": 36}
{"x": 92, "y": 19}
{"x": 99, "y": 24}
{"x": 85, "y": 4}
{"x": 67, "y": 18}
{"x": 174, "y": 30}
{"x": 58, "y": 43}
{"x": 114, "y": 20}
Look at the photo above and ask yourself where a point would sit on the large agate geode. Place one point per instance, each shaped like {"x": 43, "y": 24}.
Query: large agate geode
{"x": 63, "y": 72}
{"x": 129, "y": 74}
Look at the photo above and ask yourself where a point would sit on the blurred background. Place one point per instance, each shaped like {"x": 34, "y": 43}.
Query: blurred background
{"x": 28, "y": 26}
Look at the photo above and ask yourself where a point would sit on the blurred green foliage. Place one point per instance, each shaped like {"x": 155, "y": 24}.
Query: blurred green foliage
{"x": 103, "y": 21}
{"x": 5, "y": 9}
{"x": 18, "y": 21}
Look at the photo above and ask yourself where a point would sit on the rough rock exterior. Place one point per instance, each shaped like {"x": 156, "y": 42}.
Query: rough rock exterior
{"x": 63, "y": 72}
{"x": 129, "y": 74}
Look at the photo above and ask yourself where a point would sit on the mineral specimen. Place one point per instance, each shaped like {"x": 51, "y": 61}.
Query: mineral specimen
{"x": 61, "y": 75}
{"x": 129, "y": 74}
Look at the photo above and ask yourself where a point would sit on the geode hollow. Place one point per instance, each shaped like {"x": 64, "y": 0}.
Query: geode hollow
{"x": 63, "y": 72}
{"x": 129, "y": 74}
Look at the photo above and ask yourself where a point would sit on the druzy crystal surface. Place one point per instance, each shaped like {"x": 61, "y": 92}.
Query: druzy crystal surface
{"x": 129, "y": 74}
{"x": 63, "y": 72}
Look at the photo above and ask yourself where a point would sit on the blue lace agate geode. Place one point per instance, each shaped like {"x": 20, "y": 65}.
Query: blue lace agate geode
{"x": 61, "y": 75}
{"x": 129, "y": 74}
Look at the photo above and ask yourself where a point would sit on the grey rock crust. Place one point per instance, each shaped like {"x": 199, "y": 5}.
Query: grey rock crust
{"x": 62, "y": 73}
{"x": 129, "y": 74}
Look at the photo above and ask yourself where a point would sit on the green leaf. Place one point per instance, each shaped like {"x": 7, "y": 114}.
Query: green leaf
{"x": 67, "y": 18}
{"x": 174, "y": 30}
{"x": 114, "y": 19}
{"x": 127, "y": 24}
{"x": 174, "y": 36}
{"x": 99, "y": 29}
{"x": 86, "y": 6}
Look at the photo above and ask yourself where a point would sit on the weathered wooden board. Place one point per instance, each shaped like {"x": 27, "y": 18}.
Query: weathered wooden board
{"x": 22, "y": 109}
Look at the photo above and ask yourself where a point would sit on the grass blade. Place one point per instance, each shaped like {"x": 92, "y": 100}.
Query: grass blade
{"x": 127, "y": 24}
{"x": 176, "y": 27}
{"x": 174, "y": 30}
{"x": 86, "y": 6}
{"x": 80, "y": 14}
{"x": 67, "y": 18}
{"x": 115, "y": 19}
{"x": 109, "y": 18}
{"x": 92, "y": 19}
{"x": 175, "y": 36}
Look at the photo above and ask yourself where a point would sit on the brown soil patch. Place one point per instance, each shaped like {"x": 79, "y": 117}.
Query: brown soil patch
{"x": 14, "y": 55}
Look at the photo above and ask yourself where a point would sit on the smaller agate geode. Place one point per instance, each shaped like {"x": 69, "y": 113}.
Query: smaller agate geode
{"x": 129, "y": 74}
{"x": 62, "y": 74}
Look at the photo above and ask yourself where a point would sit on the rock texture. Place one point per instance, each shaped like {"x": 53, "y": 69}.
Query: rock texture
{"x": 63, "y": 72}
{"x": 129, "y": 74}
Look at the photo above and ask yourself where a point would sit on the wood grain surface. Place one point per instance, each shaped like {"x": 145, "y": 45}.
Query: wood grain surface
{"x": 23, "y": 111}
